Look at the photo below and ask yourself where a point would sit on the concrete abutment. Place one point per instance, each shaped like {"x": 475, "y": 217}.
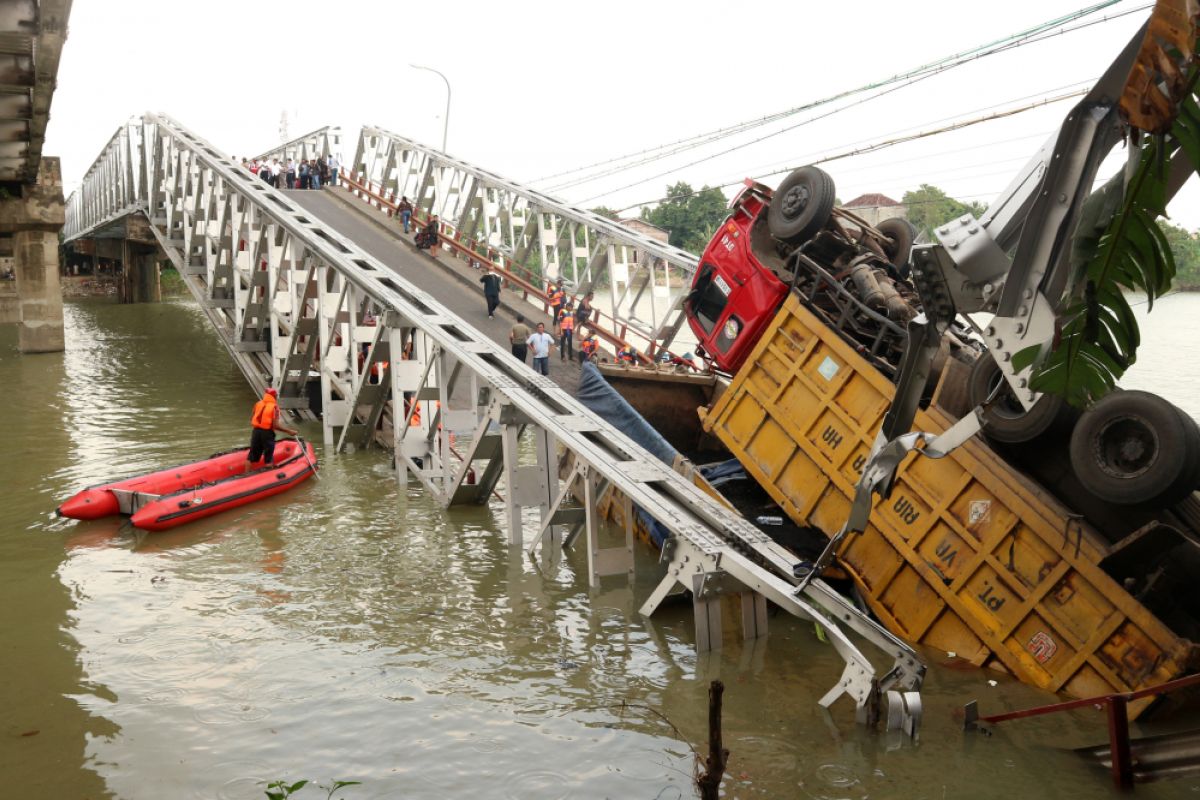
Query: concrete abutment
{"x": 34, "y": 220}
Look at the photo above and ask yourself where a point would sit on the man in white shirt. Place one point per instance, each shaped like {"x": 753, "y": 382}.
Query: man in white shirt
{"x": 333, "y": 170}
{"x": 540, "y": 343}
{"x": 291, "y": 173}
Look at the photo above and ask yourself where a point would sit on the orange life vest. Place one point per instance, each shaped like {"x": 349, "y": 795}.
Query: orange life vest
{"x": 627, "y": 355}
{"x": 263, "y": 417}
{"x": 588, "y": 346}
{"x": 567, "y": 323}
{"x": 556, "y": 296}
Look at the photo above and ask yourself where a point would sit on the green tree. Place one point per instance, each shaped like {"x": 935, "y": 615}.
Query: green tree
{"x": 1186, "y": 249}
{"x": 929, "y": 207}
{"x": 690, "y": 216}
{"x": 605, "y": 211}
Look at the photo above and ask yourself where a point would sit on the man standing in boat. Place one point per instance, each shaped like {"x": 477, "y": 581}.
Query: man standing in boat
{"x": 264, "y": 422}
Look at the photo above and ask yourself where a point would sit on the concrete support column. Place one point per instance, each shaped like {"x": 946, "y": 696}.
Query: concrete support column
{"x": 140, "y": 278}
{"x": 34, "y": 219}
{"x": 35, "y": 254}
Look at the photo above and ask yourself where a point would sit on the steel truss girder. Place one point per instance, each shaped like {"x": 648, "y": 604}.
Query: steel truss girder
{"x": 314, "y": 145}
{"x": 511, "y": 222}
{"x": 201, "y": 204}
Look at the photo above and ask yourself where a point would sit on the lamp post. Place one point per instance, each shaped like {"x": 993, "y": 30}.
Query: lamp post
{"x": 446, "y": 123}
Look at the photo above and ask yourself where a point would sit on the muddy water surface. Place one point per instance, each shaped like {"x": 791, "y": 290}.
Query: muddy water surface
{"x": 346, "y": 631}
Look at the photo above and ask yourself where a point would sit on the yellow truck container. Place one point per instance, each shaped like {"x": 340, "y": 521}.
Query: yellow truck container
{"x": 967, "y": 555}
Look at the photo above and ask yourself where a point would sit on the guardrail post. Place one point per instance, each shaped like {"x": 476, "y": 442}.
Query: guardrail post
{"x": 1118, "y": 742}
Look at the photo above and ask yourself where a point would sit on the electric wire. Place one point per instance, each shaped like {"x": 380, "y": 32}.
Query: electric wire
{"x": 1030, "y": 36}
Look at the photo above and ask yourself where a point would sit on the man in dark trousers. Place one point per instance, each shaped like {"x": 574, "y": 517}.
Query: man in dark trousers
{"x": 491, "y": 291}
{"x": 263, "y": 423}
{"x": 518, "y": 337}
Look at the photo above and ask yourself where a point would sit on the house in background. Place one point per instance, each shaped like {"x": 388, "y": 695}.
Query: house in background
{"x": 875, "y": 208}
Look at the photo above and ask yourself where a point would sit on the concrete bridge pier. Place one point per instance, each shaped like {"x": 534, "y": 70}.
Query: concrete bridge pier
{"x": 140, "y": 280}
{"x": 34, "y": 220}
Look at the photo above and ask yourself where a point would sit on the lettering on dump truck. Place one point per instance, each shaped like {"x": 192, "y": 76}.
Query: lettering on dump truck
{"x": 990, "y": 597}
{"x": 946, "y": 552}
{"x": 831, "y": 437}
{"x": 905, "y": 510}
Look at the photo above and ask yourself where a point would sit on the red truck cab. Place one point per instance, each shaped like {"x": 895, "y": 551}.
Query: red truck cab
{"x": 734, "y": 296}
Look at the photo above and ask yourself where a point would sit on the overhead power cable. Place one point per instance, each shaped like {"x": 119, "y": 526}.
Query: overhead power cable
{"x": 1028, "y": 36}
{"x": 870, "y": 148}
{"x": 886, "y": 143}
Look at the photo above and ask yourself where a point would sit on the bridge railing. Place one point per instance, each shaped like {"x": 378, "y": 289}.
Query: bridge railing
{"x": 639, "y": 281}
{"x": 531, "y": 285}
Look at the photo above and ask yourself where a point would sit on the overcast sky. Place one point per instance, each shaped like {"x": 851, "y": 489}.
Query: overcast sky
{"x": 542, "y": 87}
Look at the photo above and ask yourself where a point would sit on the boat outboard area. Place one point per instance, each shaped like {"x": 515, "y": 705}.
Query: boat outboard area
{"x": 170, "y": 497}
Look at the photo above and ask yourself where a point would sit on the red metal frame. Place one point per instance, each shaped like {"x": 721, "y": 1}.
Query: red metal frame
{"x": 1116, "y": 706}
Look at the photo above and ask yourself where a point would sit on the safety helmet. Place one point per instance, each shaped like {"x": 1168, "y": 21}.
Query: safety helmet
{"x": 272, "y": 391}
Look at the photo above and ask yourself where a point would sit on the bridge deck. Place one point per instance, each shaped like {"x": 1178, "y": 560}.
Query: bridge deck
{"x": 454, "y": 283}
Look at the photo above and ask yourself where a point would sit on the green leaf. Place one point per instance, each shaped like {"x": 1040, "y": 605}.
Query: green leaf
{"x": 1026, "y": 357}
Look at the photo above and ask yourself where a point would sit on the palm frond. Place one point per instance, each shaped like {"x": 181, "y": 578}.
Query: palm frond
{"x": 1118, "y": 247}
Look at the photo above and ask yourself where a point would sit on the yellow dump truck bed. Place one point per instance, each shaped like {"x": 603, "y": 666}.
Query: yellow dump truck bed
{"x": 967, "y": 555}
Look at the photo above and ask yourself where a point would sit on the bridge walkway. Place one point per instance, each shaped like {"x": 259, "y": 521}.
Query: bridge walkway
{"x": 451, "y": 280}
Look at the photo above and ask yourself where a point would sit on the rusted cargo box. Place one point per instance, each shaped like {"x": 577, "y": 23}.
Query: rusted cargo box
{"x": 967, "y": 555}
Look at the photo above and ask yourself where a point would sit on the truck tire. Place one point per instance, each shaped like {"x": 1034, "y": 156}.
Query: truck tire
{"x": 801, "y": 205}
{"x": 1134, "y": 448}
{"x": 901, "y": 234}
{"x": 1006, "y": 420}
{"x": 1189, "y": 477}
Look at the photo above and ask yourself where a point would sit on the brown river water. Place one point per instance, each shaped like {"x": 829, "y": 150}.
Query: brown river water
{"x": 344, "y": 631}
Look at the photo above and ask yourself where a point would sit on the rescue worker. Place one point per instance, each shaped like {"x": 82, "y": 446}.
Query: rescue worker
{"x": 566, "y": 333}
{"x": 556, "y": 296}
{"x": 588, "y": 348}
{"x": 627, "y": 355}
{"x": 264, "y": 422}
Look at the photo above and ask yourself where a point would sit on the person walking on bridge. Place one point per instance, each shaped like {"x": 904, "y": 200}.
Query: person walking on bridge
{"x": 541, "y": 342}
{"x": 405, "y": 210}
{"x": 518, "y": 337}
{"x": 264, "y": 422}
{"x": 566, "y": 333}
{"x": 556, "y": 296}
{"x": 491, "y": 291}
{"x": 333, "y": 169}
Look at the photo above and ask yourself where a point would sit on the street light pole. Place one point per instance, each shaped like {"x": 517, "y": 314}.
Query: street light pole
{"x": 446, "y": 123}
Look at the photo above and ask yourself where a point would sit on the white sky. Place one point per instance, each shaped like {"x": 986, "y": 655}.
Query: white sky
{"x": 540, "y": 87}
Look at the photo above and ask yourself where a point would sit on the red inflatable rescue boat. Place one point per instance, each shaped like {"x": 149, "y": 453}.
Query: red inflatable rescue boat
{"x": 181, "y": 494}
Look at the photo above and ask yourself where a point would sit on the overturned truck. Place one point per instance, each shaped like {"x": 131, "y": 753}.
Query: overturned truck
{"x": 1060, "y": 546}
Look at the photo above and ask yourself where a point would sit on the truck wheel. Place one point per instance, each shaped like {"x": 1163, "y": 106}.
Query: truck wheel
{"x": 1132, "y": 448}
{"x": 801, "y": 205}
{"x": 901, "y": 234}
{"x": 1189, "y": 477}
{"x": 1006, "y": 420}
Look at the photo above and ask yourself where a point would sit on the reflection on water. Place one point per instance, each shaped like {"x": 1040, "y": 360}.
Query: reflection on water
{"x": 341, "y": 631}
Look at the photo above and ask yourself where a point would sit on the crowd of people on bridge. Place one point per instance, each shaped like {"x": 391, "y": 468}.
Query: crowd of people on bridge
{"x": 313, "y": 173}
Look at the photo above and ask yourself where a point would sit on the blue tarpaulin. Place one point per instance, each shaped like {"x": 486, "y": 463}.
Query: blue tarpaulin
{"x": 595, "y": 393}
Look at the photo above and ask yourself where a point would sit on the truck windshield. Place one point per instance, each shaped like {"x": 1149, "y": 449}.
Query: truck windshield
{"x": 708, "y": 298}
